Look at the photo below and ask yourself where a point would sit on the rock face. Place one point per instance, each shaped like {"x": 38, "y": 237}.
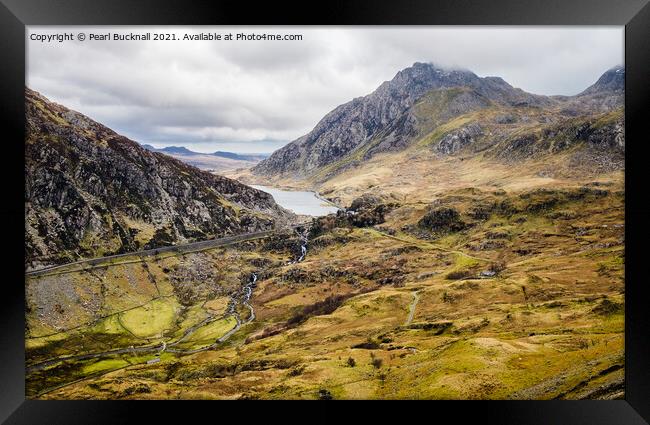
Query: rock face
{"x": 454, "y": 141}
{"x": 92, "y": 192}
{"x": 358, "y": 121}
{"x": 417, "y": 103}
{"x": 366, "y": 211}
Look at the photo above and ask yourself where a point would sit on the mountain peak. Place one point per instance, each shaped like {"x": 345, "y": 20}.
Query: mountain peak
{"x": 437, "y": 68}
{"x": 612, "y": 80}
{"x": 431, "y": 75}
{"x": 357, "y": 122}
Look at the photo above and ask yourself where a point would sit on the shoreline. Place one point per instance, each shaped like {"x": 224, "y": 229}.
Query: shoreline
{"x": 327, "y": 201}
{"x": 315, "y": 193}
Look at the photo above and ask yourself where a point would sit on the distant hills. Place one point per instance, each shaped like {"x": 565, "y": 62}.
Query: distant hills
{"x": 216, "y": 161}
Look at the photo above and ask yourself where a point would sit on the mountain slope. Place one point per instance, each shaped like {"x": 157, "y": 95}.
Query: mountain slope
{"x": 435, "y": 112}
{"x": 91, "y": 192}
{"x": 358, "y": 121}
{"x": 613, "y": 80}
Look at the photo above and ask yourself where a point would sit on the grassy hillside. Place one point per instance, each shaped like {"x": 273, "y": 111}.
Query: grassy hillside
{"x": 517, "y": 294}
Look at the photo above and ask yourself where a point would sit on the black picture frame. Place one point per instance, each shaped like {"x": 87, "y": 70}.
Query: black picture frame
{"x": 634, "y": 14}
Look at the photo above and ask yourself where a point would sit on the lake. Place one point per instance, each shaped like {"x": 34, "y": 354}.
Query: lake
{"x": 299, "y": 202}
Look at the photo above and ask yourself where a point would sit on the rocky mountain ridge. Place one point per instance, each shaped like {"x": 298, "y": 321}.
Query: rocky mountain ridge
{"x": 90, "y": 192}
{"x": 425, "y": 104}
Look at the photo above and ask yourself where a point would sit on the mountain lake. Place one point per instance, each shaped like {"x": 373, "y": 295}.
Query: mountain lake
{"x": 306, "y": 203}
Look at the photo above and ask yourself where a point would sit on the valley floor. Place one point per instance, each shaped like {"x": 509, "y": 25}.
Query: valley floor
{"x": 521, "y": 297}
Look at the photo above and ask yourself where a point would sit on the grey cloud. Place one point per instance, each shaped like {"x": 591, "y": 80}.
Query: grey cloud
{"x": 260, "y": 94}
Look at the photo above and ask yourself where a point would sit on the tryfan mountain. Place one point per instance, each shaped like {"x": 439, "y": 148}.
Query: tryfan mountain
{"x": 429, "y": 114}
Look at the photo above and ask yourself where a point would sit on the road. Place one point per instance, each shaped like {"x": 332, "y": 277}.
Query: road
{"x": 416, "y": 298}
{"x": 241, "y": 297}
{"x": 327, "y": 201}
{"x": 180, "y": 249}
{"x": 428, "y": 245}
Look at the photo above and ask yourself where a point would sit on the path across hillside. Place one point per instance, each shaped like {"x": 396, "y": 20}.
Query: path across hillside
{"x": 180, "y": 249}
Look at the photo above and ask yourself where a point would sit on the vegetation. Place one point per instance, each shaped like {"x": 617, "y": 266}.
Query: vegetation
{"x": 481, "y": 257}
{"x": 508, "y": 321}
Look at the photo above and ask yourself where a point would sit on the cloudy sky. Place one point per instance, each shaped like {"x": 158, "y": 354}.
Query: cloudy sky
{"x": 255, "y": 96}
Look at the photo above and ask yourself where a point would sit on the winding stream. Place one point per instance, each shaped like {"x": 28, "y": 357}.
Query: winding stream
{"x": 304, "y": 236}
{"x": 240, "y": 297}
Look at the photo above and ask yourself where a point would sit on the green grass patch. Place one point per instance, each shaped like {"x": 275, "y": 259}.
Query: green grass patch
{"x": 209, "y": 333}
{"x": 152, "y": 319}
{"x": 108, "y": 325}
{"x": 104, "y": 366}
{"x": 190, "y": 317}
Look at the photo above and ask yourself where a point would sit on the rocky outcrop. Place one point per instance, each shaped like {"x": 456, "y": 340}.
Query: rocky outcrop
{"x": 365, "y": 211}
{"x": 90, "y": 191}
{"x": 602, "y": 136}
{"x": 365, "y": 201}
{"x": 456, "y": 140}
{"x": 442, "y": 220}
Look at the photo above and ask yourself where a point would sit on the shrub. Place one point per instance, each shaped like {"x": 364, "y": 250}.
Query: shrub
{"x": 377, "y": 362}
{"x": 327, "y": 306}
{"x": 369, "y": 344}
{"x": 296, "y": 371}
{"x": 442, "y": 219}
{"x": 497, "y": 266}
{"x": 607, "y": 307}
{"x": 458, "y": 274}
{"x": 446, "y": 298}
{"x": 351, "y": 362}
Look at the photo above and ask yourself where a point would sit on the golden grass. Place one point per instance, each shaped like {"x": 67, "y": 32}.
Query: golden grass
{"x": 150, "y": 320}
{"x": 550, "y": 325}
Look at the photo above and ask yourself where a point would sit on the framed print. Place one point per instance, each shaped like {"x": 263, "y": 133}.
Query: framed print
{"x": 431, "y": 201}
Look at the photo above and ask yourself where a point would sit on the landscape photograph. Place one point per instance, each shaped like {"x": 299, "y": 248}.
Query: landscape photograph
{"x": 325, "y": 213}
